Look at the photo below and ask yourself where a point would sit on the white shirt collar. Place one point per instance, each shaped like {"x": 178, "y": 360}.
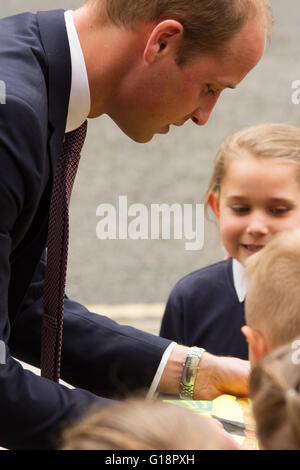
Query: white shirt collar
{"x": 239, "y": 281}
{"x": 80, "y": 100}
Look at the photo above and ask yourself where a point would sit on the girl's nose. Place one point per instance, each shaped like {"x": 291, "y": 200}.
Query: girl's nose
{"x": 257, "y": 227}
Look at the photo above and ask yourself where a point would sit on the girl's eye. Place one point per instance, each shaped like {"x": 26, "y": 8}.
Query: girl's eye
{"x": 240, "y": 209}
{"x": 279, "y": 210}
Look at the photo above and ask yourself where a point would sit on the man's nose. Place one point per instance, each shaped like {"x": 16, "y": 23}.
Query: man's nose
{"x": 200, "y": 116}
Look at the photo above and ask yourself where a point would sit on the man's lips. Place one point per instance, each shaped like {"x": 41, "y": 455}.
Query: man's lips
{"x": 164, "y": 130}
{"x": 181, "y": 122}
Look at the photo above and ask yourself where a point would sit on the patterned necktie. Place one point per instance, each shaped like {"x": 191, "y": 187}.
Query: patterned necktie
{"x": 57, "y": 253}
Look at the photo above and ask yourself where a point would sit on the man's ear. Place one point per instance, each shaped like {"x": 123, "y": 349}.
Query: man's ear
{"x": 258, "y": 343}
{"x": 213, "y": 201}
{"x": 164, "y": 38}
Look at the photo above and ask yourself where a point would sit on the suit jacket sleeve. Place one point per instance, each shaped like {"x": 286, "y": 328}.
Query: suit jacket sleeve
{"x": 98, "y": 355}
{"x": 172, "y": 325}
{"x": 32, "y": 409}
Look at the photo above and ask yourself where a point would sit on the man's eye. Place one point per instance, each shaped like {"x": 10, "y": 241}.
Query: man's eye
{"x": 209, "y": 90}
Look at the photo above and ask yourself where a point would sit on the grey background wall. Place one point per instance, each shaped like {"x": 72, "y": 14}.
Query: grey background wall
{"x": 170, "y": 169}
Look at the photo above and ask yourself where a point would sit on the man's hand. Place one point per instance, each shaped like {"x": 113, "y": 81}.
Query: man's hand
{"x": 216, "y": 375}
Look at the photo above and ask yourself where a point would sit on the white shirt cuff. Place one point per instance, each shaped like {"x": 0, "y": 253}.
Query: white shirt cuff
{"x": 161, "y": 367}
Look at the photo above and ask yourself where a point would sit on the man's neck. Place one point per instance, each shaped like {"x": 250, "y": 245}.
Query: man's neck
{"x": 109, "y": 51}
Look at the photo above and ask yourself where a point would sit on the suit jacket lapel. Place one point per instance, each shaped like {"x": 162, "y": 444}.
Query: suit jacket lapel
{"x": 56, "y": 45}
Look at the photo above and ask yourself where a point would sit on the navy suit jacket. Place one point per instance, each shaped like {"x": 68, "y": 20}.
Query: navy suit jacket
{"x": 99, "y": 357}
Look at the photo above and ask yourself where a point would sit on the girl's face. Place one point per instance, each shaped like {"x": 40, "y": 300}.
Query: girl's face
{"x": 258, "y": 198}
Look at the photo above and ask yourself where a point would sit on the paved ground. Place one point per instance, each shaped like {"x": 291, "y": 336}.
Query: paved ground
{"x": 170, "y": 169}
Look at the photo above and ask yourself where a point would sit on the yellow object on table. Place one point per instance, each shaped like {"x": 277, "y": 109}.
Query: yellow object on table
{"x": 234, "y": 413}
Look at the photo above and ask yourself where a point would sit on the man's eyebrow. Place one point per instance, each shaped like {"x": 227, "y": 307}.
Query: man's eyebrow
{"x": 228, "y": 85}
{"x": 222, "y": 85}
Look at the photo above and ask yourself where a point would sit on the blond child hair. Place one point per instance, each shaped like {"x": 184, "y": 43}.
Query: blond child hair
{"x": 275, "y": 393}
{"x": 136, "y": 424}
{"x": 273, "y": 295}
{"x": 268, "y": 140}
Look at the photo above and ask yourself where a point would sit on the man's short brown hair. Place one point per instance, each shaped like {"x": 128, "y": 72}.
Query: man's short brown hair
{"x": 208, "y": 24}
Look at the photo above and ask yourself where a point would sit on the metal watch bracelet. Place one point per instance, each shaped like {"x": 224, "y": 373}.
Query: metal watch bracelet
{"x": 191, "y": 365}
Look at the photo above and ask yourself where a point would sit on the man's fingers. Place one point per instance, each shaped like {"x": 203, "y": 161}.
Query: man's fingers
{"x": 218, "y": 375}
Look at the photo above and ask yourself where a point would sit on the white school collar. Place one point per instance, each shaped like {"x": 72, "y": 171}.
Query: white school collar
{"x": 80, "y": 99}
{"x": 240, "y": 283}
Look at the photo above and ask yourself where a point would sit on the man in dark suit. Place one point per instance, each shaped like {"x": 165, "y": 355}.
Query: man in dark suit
{"x": 58, "y": 69}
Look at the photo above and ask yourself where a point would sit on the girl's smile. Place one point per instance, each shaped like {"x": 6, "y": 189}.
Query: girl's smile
{"x": 259, "y": 197}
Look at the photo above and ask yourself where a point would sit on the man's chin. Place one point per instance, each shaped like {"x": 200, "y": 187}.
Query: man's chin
{"x": 139, "y": 138}
{"x": 142, "y": 135}
{"x": 144, "y": 138}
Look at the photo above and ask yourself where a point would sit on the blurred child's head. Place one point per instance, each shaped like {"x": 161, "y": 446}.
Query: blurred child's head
{"x": 137, "y": 424}
{"x": 275, "y": 393}
{"x": 272, "y": 305}
{"x": 255, "y": 187}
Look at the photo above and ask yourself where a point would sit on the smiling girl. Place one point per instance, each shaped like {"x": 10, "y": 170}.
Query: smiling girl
{"x": 255, "y": 193}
